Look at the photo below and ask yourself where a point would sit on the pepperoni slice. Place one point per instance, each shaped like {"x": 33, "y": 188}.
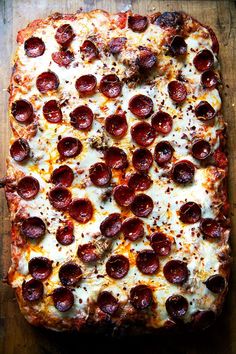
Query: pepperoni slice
{"x": 20, "y": 150}
{"x": 40, "y": 268}
{"x": 47, "y": 81}
{"x": 33, "y": 227}
{"x": 81, "y": 210}
{"x": 142, "y": 159}
{"x": 176, "y": 272}
{"x": 59, "y": 197}
{"x": 63, "y": 58}
{"x": 183, "y": 172}
{"x": 63, "y": 299}
{"x": 89, "y": 50}
{"x": 216, "y": 283}
{"x": 65, "y": 234}
{"x": 70, "y": 274}
{"x": 176, "y": 306}
{"x": 141, "y": 297}
{"x": 143, "y": 134}
{"x": 116, "y": 125}
{"x": 116, "y": 45}
{"x": 210, "y": 228}
{"x": 147, "y": 262}
{"x": 88, "y": 253}
{"x": 170, "y": 19}
{"x": 52, "y": 111}
{"x": 69, "y": 147}
{"x": 107, "y": 302}
{"x": 201, "y": 149}
{"x": 138, "y": 23}
{"x": 32, "y": 290}
{"x": 110, "y": 86}
{"x": 63, "y": 176}
{"x": 204, "y": 111}
{"x": 178, "y": 46}
{"x": 203, "y": 319}
{"x": 146, "y": 60}
{"x": 163, "y": 153}
{"x": 22, "y": 111}
{"x": 28, "y": 187}
{"x": 160, "y": 244}
{"x": 123, "y": 195}
{"x": 190, "y": 213}
{"x": 204, "y": 60}
{"x": 142, "y": 205}
{"x": 141, "y": 106}
{"x": 209, "y": 79}
{"x": 100, "y": 174}
{"x": 117, "y": 266}
{"x": 177, "y": 91}
{"x": 139, "y": 182}
{"x": 111, "y": 226}
{"x": 133, "y": 229}
{"x": 81, "y": 118}
{"x": 86, "y": 85}
{"x": 34, "y": 47}
{"x": 162, "y": 122}
{"x": 116, "y": 158}
{"x": 64, "y": 35}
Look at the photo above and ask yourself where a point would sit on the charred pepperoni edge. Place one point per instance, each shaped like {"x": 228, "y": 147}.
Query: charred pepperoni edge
{"x": 63, "y": 299}
{"x": 147, "y": 262}
{"x": 210, "y": 79}
{"x": 141, "y": 297}
{"x": 87, "y": 253}
{"x": 137, "y": 23}
{"x": 107, "y": 303}
{"x": 90, "y": 54}
{"x": 100, "y": 174}
{"x": 163, "y": 152}
{"x": 123, "y": 266}
{"x": 216, "y": 283}
{"x": 32, "y": 290}
{"x": 81, "y": 203}
{"x": 160, "y": 243}
{"x": 59, "y": 35}
{"x": 146, "y": 60}
{"x": 59, "y": 197}
{"x": 187, "y": 163}
{"x": 64, "y": 234}
{"x": 170, "y": 20}
{"x": 138, "y": 156}
{"x": 176, "y": 306}
{"x": 20, "y": 150}
{"x": 111, "y": 225}
{"x": 30, "y": 52}
{"x": 70, "y": 274}
{"x": 77, "y": 147}
{"x": 140, "y": 198}
{"x": 36, "y": 263}
{"x": 201, "y": 149}
{"x": 178, "y": 46}
{"x": 28, "y": 111}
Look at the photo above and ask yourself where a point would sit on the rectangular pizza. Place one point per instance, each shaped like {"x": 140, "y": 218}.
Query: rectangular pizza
{"x": 116, "y": 177}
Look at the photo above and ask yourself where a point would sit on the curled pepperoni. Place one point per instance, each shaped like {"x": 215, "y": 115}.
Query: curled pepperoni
{"x": 20, "y": 150}
{"x": 143, "y": 133}
{"x": 163, "y": 153}
{"x": 47, "y": 81}
{"x": 204, "y": 111}
{"x": 133, "y": 229}
{"x": 63, "y": 58}
{"x": 63, "y": 299}
{"x": 65, "y": 234}
{"x": 178, "y": 46}
{"x": 117, "y": 266}
{"x": 170, "y": 19}
{"x": 69, "y": 147}
{"x": 64, "y": 35}
{"x": 107, "y": 302}
{"x": 123, "y": 195}
{"x": 86, "y": 85}
{"x": 141, "y": 106}
{"x": 141, "y": 297}
{"x": 110, "y": 86}
{"x": 116, "y": 45}
{"x": 116, "y": 125}
{"x": 116, "y": 158}
{"x": 52, "y": 111}
{"x": 204, "y": 60}
{"x": 81, "y": 210}
{"x": 33, "y": 227}
{"x": 137, "y": 23}
{"x": 183, "y": 172}
{"x": 210, "y": 228}
{"x": 139, "y": 182}
{"x": 176, "y": 306}
{"x": 162, "y": 122}
{"x": 59, "y": 197}
{"x": 111, "y": 226}
{"x": 63, "y": 176}
{"x": 81, "y": 118}
{"x": 89, "y": 50}
{"x": 147, "y": 262}
{"x": 190, "y": 213}
{"x": 203, "y": 319}
{"x": 34, "y": 47}
{"x": 100, "y": 174}
{"x": 87, "y": 253}
{"x": 216, "y": 283}
{"x": 177, "y": 91}
{"x": 201, "y": 149}
{"x": 142, "y": 159}
{"x": 32, "y": 290}
{"x": 40, "y": 268}
{"x": 70, "y": 274}
{"x": 209, "y": 79}
{"x": 176, "y": 272}
{"x": 28, "y": 187}
{"x": 146, "y": 60}
{"x": 160, "y": 244}
{"x": 142, "y": 205}
{"x": 22, "y": 111}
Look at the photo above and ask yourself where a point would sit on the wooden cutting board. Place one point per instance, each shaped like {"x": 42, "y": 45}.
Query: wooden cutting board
{"x": 16, "y": 335}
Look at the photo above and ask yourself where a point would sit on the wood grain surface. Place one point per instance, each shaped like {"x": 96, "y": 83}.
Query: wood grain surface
{"x": 16, "y": 335}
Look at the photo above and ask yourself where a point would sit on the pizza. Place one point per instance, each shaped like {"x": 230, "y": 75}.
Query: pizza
{"x": 116, "y": 177}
